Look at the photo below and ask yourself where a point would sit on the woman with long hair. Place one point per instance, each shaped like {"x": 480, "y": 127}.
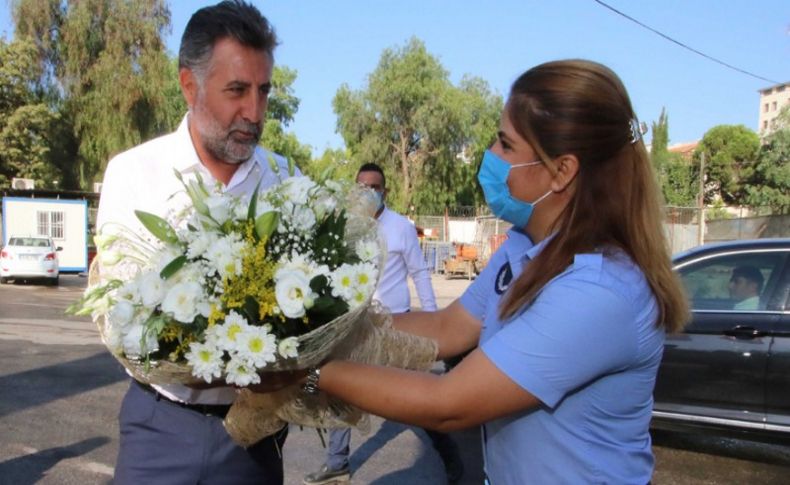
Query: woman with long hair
{"x": 567, "y": 320}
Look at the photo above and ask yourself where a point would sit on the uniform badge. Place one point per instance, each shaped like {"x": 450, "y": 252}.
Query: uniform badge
{"x": 503, "y": 277}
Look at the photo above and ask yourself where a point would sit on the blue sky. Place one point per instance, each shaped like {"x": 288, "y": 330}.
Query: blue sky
{"x": 340, "y": 41}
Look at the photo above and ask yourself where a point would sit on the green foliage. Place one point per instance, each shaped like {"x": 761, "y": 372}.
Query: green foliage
{"x": 770, "y": 184}
{"x": 421, "y": 129}
{"x": 276, "y": 139}
{"x": 730, "y": 160}
{"x": 30, "y": 146}
{"x": 108, "y": 60}
{"x": 335, "y": 162}
{"x": 676, "y": 176}
{"x": 283, "y": 104}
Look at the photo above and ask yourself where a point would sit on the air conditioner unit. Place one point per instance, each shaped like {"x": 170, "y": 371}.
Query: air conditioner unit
{"x": 97, "y": 187}
{"x": 23, "y": 184}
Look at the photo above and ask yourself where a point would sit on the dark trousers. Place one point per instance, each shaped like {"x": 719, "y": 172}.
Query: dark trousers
{"x": 165, "y": 443}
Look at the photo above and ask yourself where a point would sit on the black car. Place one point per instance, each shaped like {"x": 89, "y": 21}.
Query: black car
{"x": 729, "y": 370}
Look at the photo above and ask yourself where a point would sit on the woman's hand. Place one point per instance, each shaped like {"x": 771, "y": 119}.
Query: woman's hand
{"x": 274, "y": 381}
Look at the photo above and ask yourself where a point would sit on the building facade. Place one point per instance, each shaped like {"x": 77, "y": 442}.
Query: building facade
{"x": 772, "y": 100}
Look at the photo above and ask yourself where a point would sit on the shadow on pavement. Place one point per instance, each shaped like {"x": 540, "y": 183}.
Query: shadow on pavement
{"x": 46, "y": 384}
{"x": 468, "y": 442}
{"x": 29, "y": 469}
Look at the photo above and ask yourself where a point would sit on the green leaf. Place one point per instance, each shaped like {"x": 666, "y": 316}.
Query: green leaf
{"x": 266, "y": 224}
{"x": 157, "y": 226}
{"x": 253, "y": 202}
{"x": 173, "y": 267}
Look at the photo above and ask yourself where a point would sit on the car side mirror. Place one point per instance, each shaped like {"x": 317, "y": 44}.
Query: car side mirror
{"x": 59, "y": 248}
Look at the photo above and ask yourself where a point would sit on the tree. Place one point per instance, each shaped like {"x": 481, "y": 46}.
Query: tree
{"x": 421, "y": 129}
{"x": 335, "y": 161}
{"x": 770, "y": 184}
{"x": 676, "y": 176}
{"x": 28, "y": 125}
{"x": 730, "y": 159}
{"x": 108, "y": 60}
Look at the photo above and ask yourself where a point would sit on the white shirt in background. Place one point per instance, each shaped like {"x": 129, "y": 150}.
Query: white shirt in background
{"x": 404, "y": 259}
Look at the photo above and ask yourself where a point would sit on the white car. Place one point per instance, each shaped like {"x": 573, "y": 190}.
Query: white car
{"x": 28, "y": 258}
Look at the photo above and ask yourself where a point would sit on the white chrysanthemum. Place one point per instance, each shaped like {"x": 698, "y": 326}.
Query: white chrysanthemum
{"x": 357, "y": 298}
{"x": 240, "y": 372}
{"x": 293, "y": 293}
{"x": 297, "y": 189}
{"x": 122, "y": 312}
{"x": 199, "y": 243}
{"x": 368, "y": 250}
{"x": 288, "y": 348}
{"x": 225, "y": 255}
{"x": 227, "y": 334}
{"x": 206, "y": 361}
{"x": 343, "y": 281}
{"x": 133, "y": 344}
{"x": 301, "y": 262}
{"x": 152, "y": 288}
{"x": 182, "y": 301}
{"x": 257, "y": 346}
{"x": 365, "y": 277}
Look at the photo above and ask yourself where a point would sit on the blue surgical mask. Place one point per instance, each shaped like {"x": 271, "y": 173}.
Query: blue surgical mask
{"x": 493, "y": 178}
{"x": 380, "y": 199}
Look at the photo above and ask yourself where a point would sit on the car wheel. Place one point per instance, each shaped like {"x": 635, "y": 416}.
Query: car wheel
{"x": 3, "y": 280}
{"x": 54, "y": 281}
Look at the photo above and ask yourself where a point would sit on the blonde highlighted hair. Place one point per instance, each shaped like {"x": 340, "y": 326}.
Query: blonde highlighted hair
{"x": 581, "y": 108}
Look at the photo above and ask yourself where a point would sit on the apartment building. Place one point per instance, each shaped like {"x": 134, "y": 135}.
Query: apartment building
{"x": 772, "y": 100}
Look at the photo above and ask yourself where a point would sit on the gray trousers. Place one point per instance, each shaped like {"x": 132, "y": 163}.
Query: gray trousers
{"x": 164, "y": 443}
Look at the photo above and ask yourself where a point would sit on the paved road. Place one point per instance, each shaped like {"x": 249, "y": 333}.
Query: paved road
{"x": 60, "y": 392}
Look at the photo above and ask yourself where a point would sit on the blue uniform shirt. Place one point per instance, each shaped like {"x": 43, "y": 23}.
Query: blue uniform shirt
{"x": 588, "y": 348}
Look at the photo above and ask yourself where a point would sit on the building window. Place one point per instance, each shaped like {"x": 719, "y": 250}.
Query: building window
{"x": 765, "y": 125}
{"x": 765, "y": 108}
{"x": 51, "y": 223}
{"x": 773, "y": 106}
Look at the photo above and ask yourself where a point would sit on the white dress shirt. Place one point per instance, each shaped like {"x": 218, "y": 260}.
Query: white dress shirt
{"x": 404, "y": 258}
{"x": 143, "y": 178}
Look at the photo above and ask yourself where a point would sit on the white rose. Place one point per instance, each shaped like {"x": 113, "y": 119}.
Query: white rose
{"x": 122, "y": 312}
{"x": 297, "y": 189}
{"x": 132, "y": 342}
{"x": 182, "y": 301}
{"x": 219, "y": 208}
{"x": 292, "y": 291}
{"x": 303, "y": 218}
{"x": 152, "y": 289}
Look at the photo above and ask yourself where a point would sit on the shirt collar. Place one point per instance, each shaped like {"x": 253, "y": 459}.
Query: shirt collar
{"x": 187, "y": 159}
{"x": 523, "y": 248}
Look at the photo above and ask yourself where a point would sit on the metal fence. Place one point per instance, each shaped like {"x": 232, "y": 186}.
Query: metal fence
{"x": 682, "y": 225}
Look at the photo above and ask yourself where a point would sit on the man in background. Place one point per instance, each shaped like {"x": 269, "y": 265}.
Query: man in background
{"x": 404, "y": 259}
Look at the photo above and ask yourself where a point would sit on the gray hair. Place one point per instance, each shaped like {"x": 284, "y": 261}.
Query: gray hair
{"x": 235, "y": 19}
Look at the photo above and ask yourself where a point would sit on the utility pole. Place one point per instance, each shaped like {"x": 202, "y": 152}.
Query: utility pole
{"x": 701, "y": 232}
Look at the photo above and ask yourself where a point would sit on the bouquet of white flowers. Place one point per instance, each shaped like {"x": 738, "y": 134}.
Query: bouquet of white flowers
{"x": 234, "y": 286}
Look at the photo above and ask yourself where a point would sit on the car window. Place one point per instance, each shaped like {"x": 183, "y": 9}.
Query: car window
{"x": 30, "y": 242}
{"x": 731, "y": 282}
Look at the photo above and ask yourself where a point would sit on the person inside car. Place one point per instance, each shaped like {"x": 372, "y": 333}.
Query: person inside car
{"x": 745, "y": 286}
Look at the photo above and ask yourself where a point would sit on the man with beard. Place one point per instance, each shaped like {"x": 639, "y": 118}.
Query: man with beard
{"x": 174, "y": 434}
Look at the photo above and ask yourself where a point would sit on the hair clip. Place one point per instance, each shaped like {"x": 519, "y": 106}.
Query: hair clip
{"x": 637, "y": 130}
